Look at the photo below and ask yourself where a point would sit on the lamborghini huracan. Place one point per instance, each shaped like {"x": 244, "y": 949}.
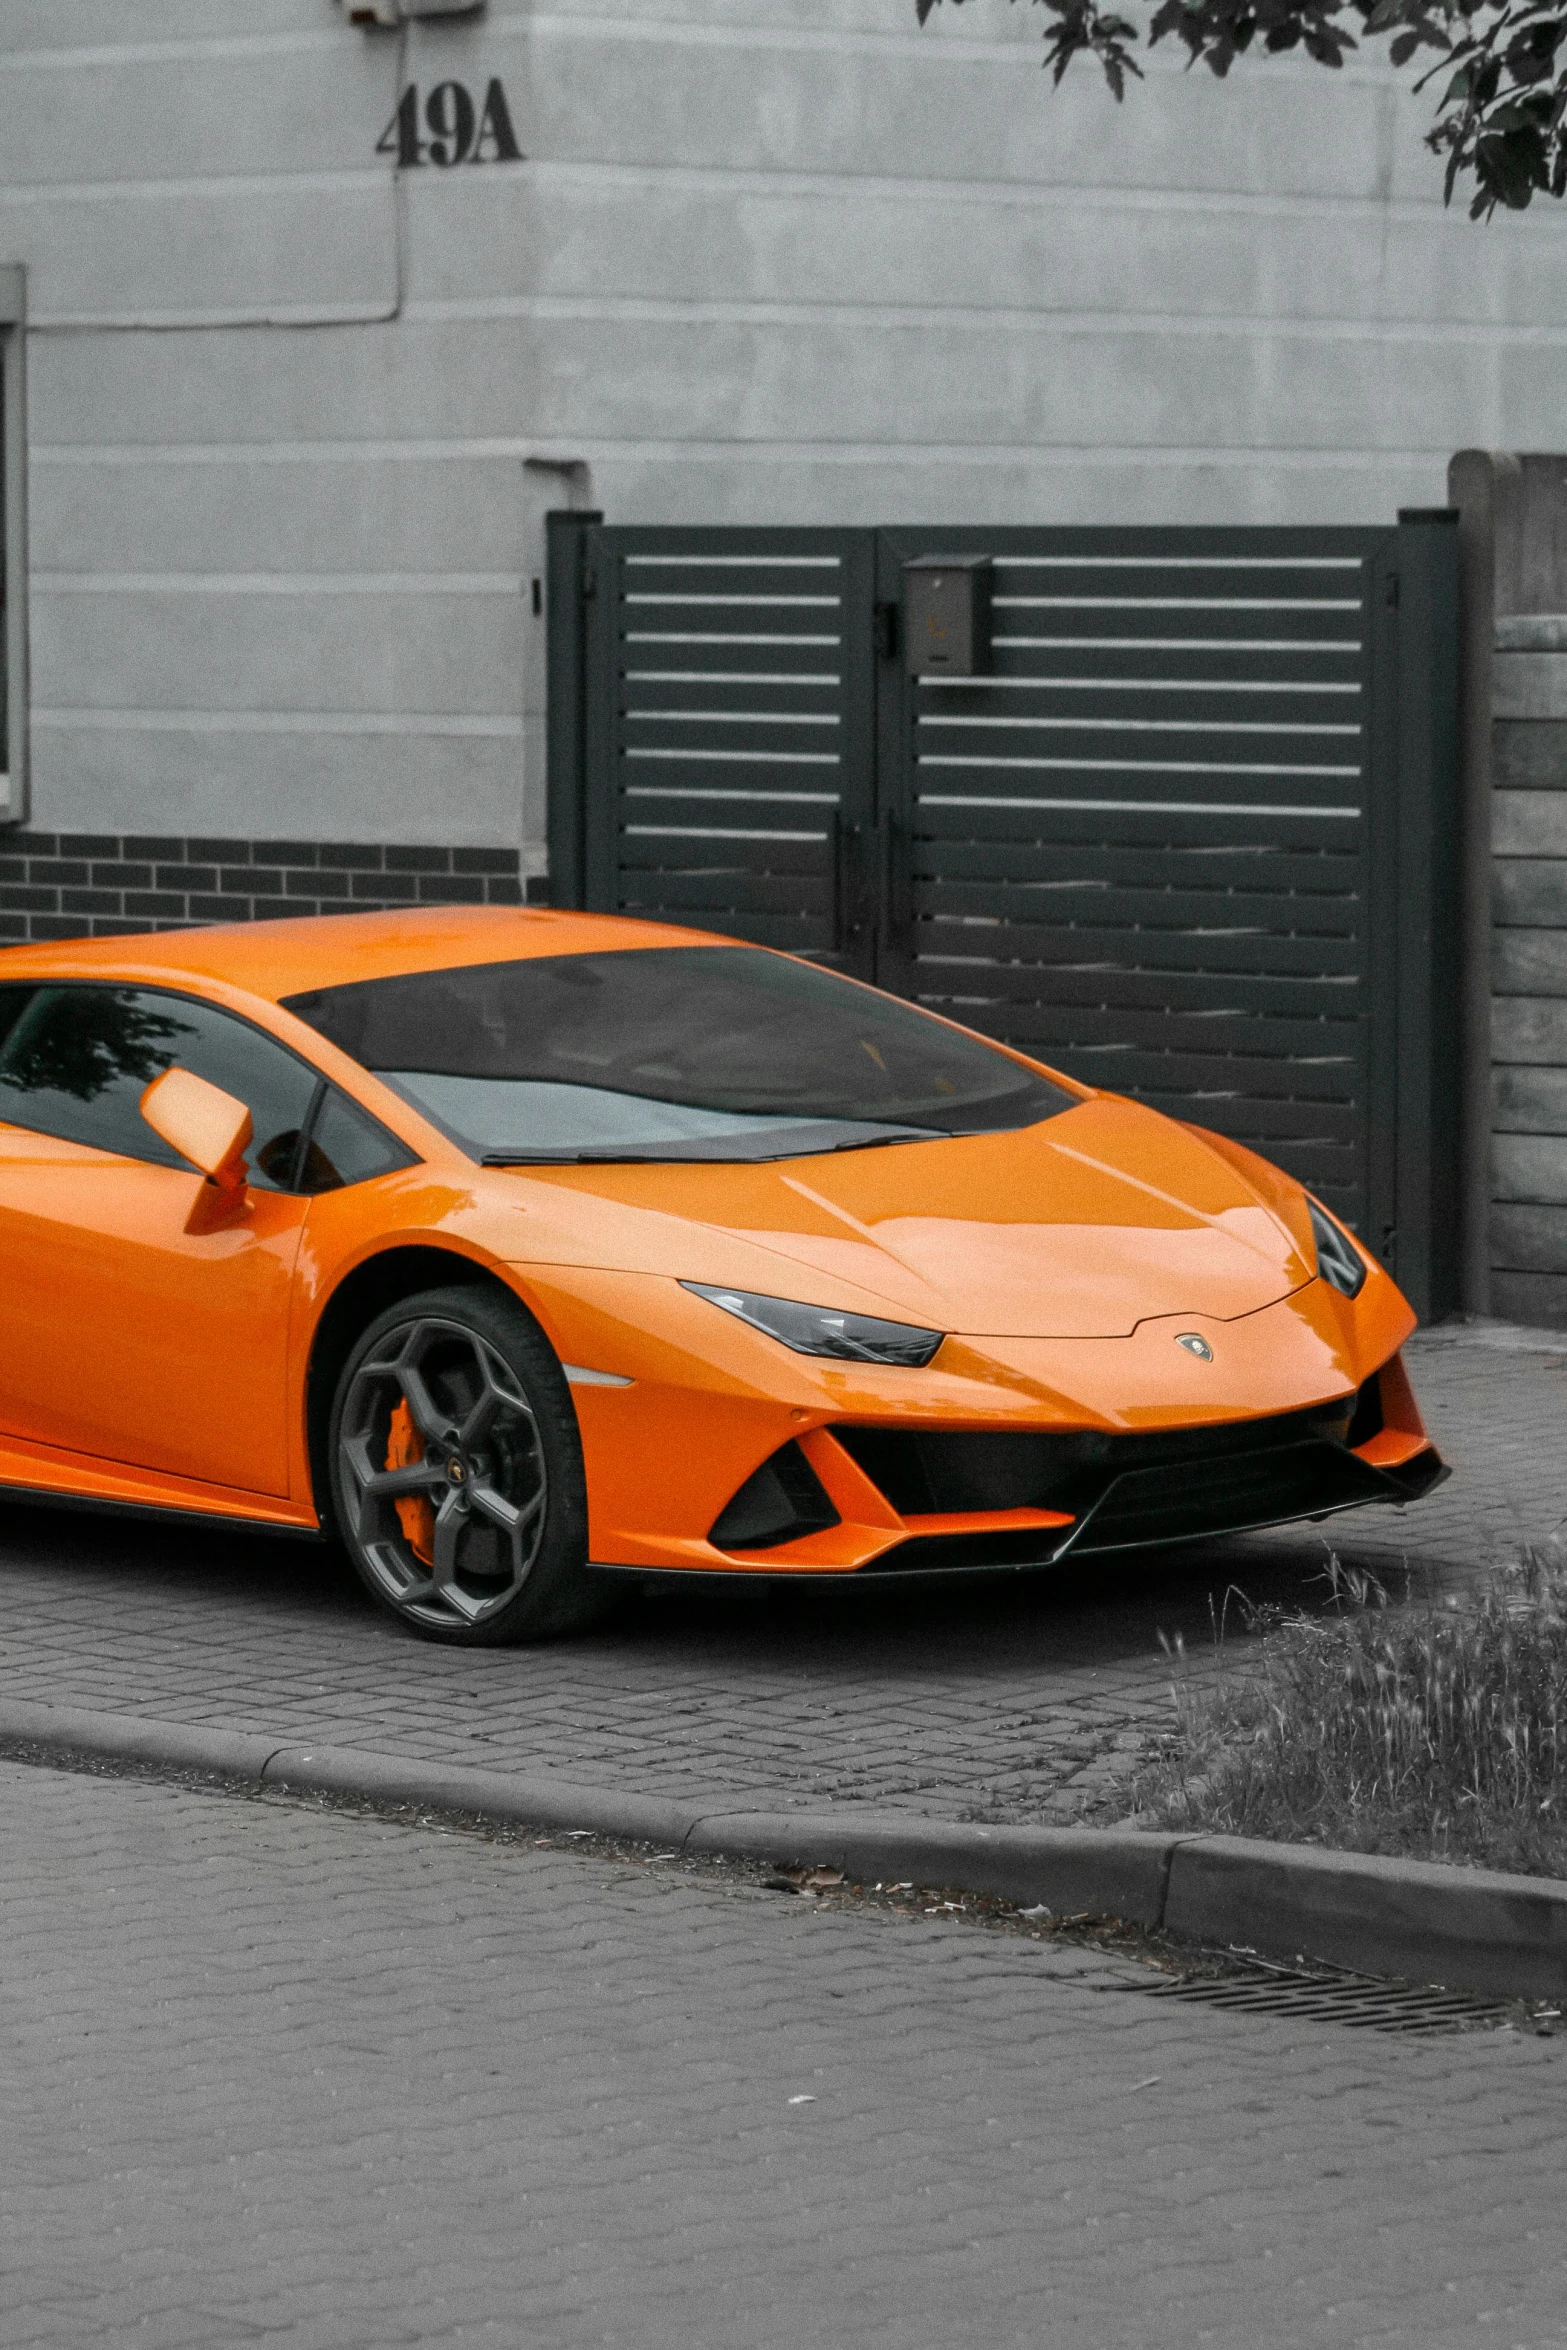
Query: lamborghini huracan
{"x": 523, "y": 1251}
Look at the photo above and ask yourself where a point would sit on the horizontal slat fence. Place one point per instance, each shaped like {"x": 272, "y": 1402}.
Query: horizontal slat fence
{"x": 739, "y": 681}
{"x": 1187, "y": 835}
{"x": 1138, "y": 845}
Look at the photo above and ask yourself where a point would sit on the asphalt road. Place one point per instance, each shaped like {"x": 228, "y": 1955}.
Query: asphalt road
{"x": 273, "y": 2074}
{"x": 1017, "y": 1700}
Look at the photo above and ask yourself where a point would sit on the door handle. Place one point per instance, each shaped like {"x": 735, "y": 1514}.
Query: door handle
{"x": 848, "y": 912}
{"x": 891, "y": 922}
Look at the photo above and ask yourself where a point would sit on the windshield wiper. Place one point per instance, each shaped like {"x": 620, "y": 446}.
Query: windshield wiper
{"x": 876, "y": 1142}
{"x": 562, "y": 1158}
{"x": 672, "y": 1155}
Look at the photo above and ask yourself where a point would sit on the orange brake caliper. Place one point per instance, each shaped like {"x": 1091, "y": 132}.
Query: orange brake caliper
{"x": 404, "y": 1448}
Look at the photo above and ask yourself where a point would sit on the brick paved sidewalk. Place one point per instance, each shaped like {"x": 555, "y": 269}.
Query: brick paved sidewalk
{"x": 277, "y": 2075}
{"x": 1015, "y": 1701}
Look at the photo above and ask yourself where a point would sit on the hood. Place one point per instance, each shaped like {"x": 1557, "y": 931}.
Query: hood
{"x": 1081, "y": 1227}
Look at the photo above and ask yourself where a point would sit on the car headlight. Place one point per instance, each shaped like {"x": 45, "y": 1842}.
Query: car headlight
{"x": 822, "y": 1330}
{"x": 1339, "y": 1262}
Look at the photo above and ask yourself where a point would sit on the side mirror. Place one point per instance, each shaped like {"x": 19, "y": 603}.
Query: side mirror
{"x": 202, "y": 1122}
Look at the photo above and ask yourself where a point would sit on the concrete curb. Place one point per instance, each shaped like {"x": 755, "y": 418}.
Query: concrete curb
{"x": 1473, "y": 1929}
{"x": 1467, "y": 1928}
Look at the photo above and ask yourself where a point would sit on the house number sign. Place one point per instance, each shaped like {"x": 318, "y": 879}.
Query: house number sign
{"x": 451, "y": 126}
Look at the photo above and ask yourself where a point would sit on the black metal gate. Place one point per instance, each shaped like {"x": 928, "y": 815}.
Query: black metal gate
{"x": 1187, "y": 834}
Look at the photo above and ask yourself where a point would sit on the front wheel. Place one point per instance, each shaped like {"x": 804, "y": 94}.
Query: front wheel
{"x": 457, "y": 1477}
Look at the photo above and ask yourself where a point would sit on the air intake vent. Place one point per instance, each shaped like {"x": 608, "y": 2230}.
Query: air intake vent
{"x": 781, "y": 1501}
{"x": 1368, "y": 1420}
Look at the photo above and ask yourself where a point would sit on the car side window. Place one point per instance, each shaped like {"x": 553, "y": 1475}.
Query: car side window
{"x": 347, "y": 1146}
{"x": 75, "y": 1062}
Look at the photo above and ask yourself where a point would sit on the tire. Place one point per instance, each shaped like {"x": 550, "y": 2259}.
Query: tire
{"x": 456, "y": 1471}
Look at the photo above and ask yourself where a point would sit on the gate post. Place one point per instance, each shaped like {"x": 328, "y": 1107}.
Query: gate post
{"x": 566, "y": 728}
{"x": 1427, "y": 902}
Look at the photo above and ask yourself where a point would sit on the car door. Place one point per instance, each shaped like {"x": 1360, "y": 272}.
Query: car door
{"x": 144, "y": 1313}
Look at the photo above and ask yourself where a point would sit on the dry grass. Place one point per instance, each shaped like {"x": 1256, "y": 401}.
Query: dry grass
{"x": 1437, "y": 1732}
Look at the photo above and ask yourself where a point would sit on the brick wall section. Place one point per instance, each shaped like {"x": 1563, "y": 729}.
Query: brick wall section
{"x": 96, "y": 885}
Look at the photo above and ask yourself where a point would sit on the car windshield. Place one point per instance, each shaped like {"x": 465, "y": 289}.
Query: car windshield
{"x": 665, "y": 1053}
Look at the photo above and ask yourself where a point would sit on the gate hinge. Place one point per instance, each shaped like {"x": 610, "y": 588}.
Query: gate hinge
{"x": 1390, "y": 592}
{"x": 590, "y": 583}
{"x": 886, "y": 631}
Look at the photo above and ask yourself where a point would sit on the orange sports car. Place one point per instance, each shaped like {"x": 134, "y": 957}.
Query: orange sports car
{"x": 522, "y": 1250}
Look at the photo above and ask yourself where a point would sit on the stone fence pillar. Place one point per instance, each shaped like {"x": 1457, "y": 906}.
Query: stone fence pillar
{"x": 1513, "y": 719}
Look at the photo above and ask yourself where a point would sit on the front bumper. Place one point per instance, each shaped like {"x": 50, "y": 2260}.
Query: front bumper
{"x": 727, "y": 1454}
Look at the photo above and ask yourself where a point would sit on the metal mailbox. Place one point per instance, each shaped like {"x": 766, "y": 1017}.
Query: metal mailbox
{"x": 946, "y": 612}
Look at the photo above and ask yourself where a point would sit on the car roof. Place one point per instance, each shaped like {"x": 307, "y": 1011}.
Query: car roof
{"x": 273, "y": 960}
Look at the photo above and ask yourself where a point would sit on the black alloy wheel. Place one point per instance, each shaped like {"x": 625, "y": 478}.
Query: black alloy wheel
{"x": 457, "y": 1478}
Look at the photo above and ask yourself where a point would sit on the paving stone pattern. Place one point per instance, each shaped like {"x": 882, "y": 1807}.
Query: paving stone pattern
{"x": 1020, "y": 1700}
{"x": 272, "y": 2074}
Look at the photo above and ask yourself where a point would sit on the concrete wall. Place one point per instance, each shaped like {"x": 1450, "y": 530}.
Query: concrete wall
{"x": 782, "y": 261}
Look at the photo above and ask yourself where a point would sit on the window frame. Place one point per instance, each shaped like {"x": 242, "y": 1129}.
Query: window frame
{"x": 15, "y": 761}
{"x": 323, "y": 1090}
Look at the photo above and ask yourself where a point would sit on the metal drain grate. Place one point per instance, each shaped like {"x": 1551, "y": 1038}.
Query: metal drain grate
{"x": 1364, "y": 2002}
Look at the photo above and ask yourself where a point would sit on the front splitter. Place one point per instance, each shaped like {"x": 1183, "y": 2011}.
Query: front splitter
{"x": 1410, "y": 1481}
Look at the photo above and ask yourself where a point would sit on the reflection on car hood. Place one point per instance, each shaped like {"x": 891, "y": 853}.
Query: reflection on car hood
{"x": 1081, "y": 1227}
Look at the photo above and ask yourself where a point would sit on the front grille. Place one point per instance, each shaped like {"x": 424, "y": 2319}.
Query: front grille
{"x": 924, "y": 1473}
{"x": 1227, "y": 1494}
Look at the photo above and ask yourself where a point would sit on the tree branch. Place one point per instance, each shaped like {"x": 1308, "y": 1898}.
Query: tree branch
{"x": 1501, "y": 118}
